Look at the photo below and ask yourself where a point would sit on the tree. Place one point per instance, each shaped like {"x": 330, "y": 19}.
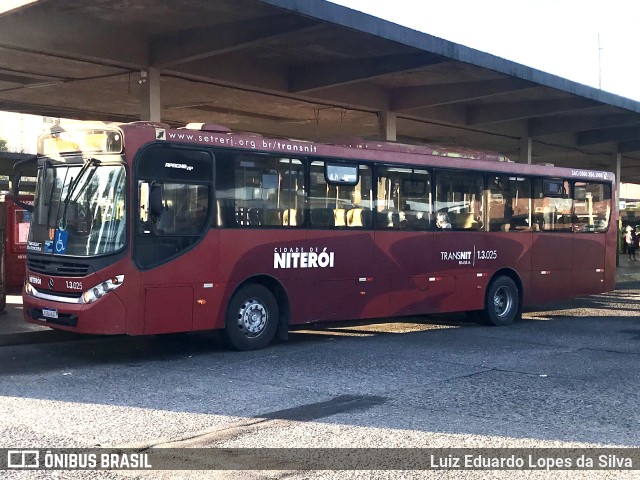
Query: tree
{"x": 3, "y": 145}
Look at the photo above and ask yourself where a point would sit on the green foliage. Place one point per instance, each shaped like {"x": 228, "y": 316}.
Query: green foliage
{"x": 3, "y": 145}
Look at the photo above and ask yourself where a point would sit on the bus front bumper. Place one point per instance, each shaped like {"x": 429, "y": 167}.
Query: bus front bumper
{"x": 106, "y": 316}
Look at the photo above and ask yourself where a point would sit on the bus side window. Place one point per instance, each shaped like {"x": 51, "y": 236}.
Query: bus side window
{"x": 338, "y": 201}
{"x": 553, "y": 205}
{"x": 404, "y": 199}
{"x": 509, "y": 203}
{"x": 461, "y": 196}
{"x": 591, "y": 207}
{"x": 260, "y": 191}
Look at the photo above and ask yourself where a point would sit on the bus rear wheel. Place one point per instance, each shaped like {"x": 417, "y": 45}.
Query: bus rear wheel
{"x": 252, "y": 318}
{"x": 502, "y": 304}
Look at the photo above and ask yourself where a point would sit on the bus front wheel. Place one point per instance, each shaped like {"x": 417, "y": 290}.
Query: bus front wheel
{"x": 252, "y": 318}
{"x": 502, "y": 304}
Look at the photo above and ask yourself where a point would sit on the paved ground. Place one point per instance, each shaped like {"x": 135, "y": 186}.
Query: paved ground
{"x": 565, "y": 376}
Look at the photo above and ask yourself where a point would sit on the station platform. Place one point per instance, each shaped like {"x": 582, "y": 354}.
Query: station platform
{"x": 14, "y": 330}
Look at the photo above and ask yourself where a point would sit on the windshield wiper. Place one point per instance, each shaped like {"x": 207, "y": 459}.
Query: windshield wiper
{"x": 88, "y": 162}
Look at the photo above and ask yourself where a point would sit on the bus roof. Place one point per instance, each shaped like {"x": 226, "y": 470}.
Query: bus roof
{"x": 359, "y": 149}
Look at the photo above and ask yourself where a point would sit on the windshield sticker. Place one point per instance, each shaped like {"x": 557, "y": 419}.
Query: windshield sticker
{"x": 48, "y": 246}
{"x": 297, "y": 257}
{"x": 60, "y": 242}
{"x": 34, "y": 246}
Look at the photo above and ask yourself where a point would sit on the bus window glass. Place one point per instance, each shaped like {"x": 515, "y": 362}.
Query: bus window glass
{"x": 342, "y": 174}
{"x": 89, "y": 206}
{"x": 173, "y": 208}
{"x": 22, "y": 221}
{"x": 591, "y": 207}
{"x": 509, "y": 199}
{"x": 404, "y": 199}
{"x": 459, "y": 200}
{"x": 334, "y": 205}
{"x": 260, "y": 190}
{"x": 552, "y": 206}
{"x": 174, "y": 202}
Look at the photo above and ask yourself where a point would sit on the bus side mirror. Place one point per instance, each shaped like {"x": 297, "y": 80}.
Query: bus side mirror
{"x": 18, "y": 168}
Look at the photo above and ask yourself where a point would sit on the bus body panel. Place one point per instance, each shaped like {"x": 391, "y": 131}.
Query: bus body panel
{"x": 171, "y": 291}
{"x": 344, "y": 288}
{"x": 551, "y": 266}
{"x": 252, "y": 253}
{"x": 17, "y": 227}
{"x": 589, "y": 262}
{"x": 364, "y": 273}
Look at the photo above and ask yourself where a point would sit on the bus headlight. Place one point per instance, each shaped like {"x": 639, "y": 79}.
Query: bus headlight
{"x": 102, "y": 289}
{"x": 28, "y": 288}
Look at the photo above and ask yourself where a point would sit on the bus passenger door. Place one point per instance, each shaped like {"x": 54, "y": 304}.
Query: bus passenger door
{"x": 173, "y": 247}
{"x": 592, "y": 212}
{"x": 552, "y": 249}
{"x": 342, "y": 239}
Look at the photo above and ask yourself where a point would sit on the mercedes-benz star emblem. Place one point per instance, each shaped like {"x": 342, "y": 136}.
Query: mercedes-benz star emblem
{"x": 51, "y": 284}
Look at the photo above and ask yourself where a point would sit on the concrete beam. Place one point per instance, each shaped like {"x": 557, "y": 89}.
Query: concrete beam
{"x": 65, "y": 35}
{"x": 410, "y": 98}
{"x": 606, "y": 135}
{"x": 552, "y": 125}
{"x": 236, "y": 69}
{"x": 629, "y": 146}
{"x": 508, "y": 111}
{"x": 316, "y": 76}
{"x": 203, "y": 42}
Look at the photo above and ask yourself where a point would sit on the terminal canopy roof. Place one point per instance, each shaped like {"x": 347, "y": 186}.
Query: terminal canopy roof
{"x": 301, "y": 68}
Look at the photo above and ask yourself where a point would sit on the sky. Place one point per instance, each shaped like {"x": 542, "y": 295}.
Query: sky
{"x": 593, "y": 43}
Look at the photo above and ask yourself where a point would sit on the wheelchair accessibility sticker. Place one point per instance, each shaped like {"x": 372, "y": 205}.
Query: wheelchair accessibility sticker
{"x": 60, "y": 241}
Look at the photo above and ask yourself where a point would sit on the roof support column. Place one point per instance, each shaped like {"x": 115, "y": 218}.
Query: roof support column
{"x": 617, "y": 162}
{"x": 387, "y": 126}
{"x": 526, "y": 148}
{"x": 150, "y": 94}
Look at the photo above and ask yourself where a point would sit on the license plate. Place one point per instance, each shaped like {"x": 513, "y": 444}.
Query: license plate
{"x": 50, "y": 313}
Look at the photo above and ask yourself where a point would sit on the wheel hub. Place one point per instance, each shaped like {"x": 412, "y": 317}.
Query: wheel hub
{"x": 252, "y": 317}
{"x": 502, "y": 302}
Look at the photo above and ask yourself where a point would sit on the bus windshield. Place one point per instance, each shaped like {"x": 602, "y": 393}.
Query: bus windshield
{"x": 79, "y": 210}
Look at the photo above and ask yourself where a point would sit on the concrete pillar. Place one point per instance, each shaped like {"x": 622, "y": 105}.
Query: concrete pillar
{"x": 617, "y": 158}
{"x": 387, "y": 126}
{"x": 526, "y": 147}
{"x": 617, "y": 164}
{"x": 150, "y": 94}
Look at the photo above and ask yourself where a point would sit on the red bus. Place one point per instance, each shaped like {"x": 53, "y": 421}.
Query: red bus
{"x": 17, "y": 230}
{"x": 144, "y": 229}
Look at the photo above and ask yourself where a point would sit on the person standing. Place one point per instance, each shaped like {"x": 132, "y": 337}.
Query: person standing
{"x": 631, "y": 240}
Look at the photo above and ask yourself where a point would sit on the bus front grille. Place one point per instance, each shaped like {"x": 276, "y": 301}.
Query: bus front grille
{"x": 54, "y": 267}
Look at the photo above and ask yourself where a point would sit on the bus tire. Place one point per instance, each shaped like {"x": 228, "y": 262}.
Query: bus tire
{"x": 502, "y": 304}
{"x": 252, "y": 318}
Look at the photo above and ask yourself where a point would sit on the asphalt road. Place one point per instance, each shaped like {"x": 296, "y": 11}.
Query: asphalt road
{"x": 566, "y": 376}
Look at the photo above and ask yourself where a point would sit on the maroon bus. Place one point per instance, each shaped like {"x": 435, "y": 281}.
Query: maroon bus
{"x": 144, "y": 229}
{"x": 17, "y": 220}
